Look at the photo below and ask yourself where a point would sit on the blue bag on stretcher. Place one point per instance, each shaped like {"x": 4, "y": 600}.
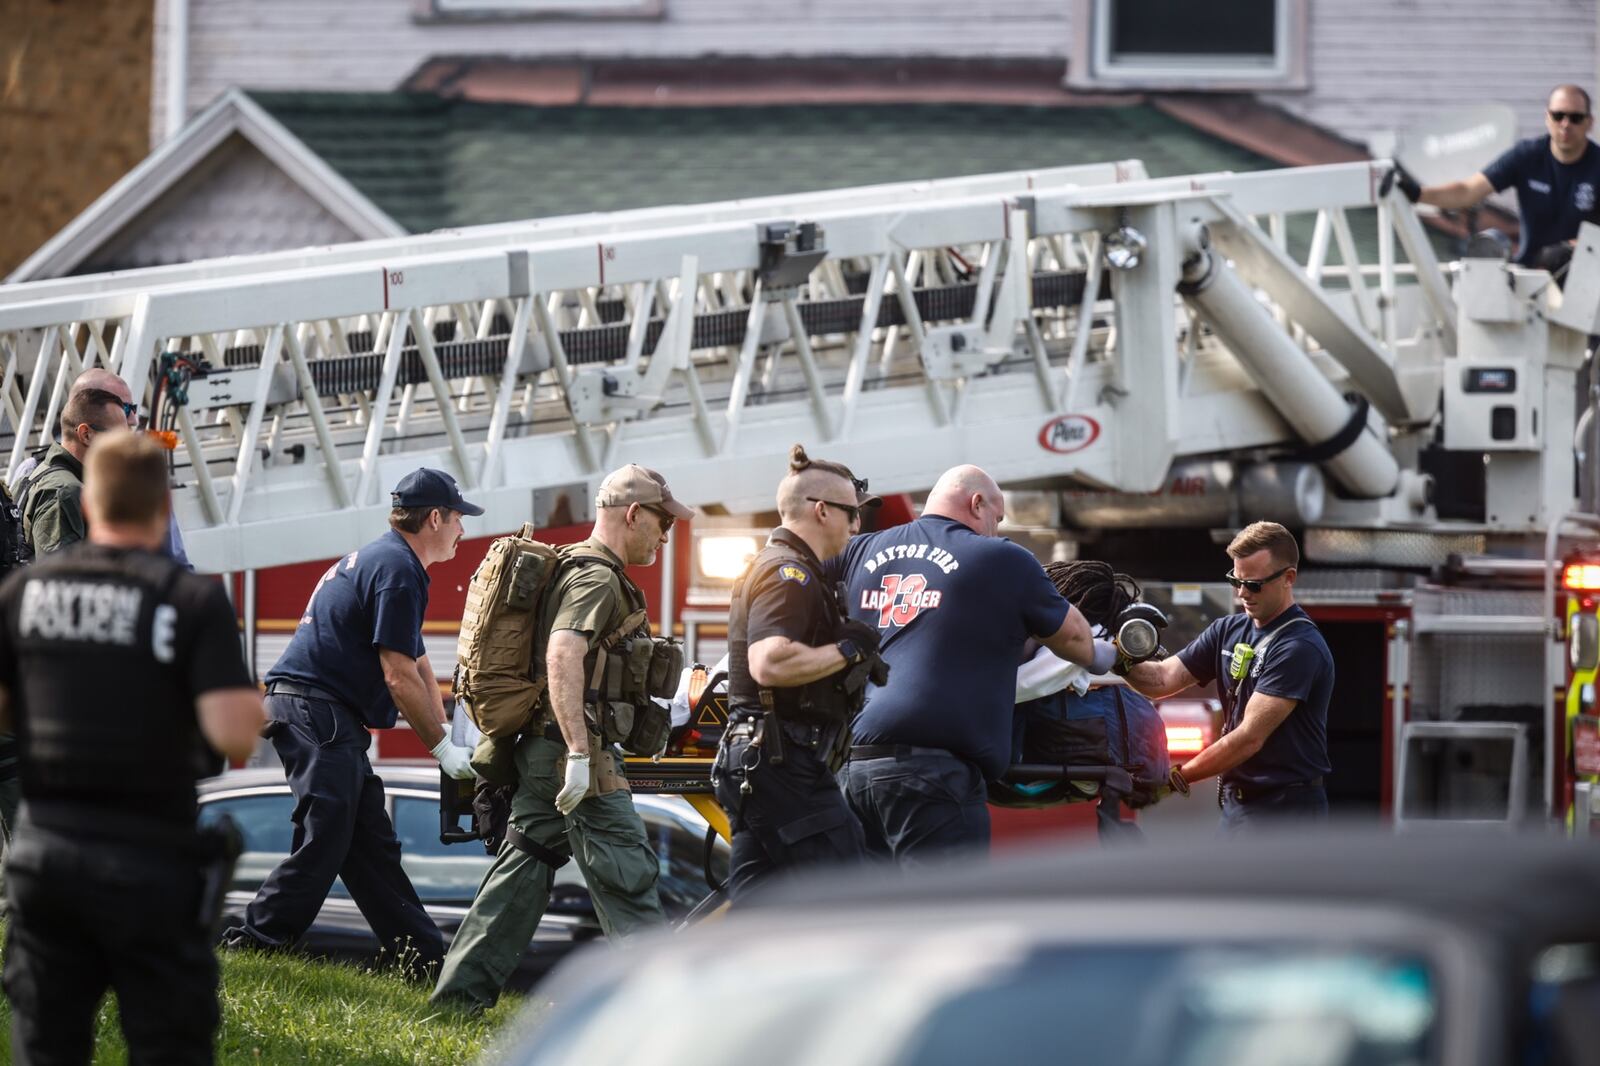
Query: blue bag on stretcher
{"x": 1085, "y": 725}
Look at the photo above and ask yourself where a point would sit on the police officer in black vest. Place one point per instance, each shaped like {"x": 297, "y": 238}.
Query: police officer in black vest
{"x": 797, "y": 672}
{"x": 122, "y": 676}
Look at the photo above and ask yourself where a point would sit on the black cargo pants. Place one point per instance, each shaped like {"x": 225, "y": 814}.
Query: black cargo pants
{"x": 793, "y": 817}
{"x": 341, "y": 830}
{"x": 87, "y": 916}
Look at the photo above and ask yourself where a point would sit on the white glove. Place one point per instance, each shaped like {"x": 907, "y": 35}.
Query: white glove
{"x": 454, "y": 759}
{"x": 577, "y": 784}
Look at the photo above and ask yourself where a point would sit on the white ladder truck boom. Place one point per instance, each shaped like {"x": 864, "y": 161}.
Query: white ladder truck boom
{"x": 1083, "y": 327}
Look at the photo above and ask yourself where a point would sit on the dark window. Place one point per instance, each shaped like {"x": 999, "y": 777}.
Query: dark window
{"x": 1173, "y": 28}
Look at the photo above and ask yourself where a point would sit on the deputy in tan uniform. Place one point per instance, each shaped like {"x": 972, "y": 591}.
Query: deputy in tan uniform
{"x": 572, "y": 800}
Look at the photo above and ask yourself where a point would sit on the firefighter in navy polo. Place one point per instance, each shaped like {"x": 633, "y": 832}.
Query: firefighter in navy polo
{"x": 356, "y": 662}
{"x": 797, "y": 670}
{"x": 953, "y": 604}
{"x": 1275, "y": 675}
{"x": 123, "y": 677}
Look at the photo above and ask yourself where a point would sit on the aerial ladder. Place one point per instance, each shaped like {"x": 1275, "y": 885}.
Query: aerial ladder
{"x": 1083, "y": 327}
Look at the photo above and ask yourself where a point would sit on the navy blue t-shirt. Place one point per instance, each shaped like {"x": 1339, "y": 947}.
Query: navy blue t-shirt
{"x": 953, "y": 609}
{"x": 371, "y": 598}
{"x": 1297, "y": 666}
{"x": 1552, "y": 196}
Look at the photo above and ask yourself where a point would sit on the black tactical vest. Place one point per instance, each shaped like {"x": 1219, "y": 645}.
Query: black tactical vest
{"x": 104, "y": 714}
{"x": 821, "y": 700}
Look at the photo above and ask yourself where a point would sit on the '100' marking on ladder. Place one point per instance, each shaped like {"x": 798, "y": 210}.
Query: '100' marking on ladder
{"x": 395, "y": 278}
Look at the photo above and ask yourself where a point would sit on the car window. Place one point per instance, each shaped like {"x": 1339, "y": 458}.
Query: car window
{"x": 264, "y": 820}
{"x": 955, "y": 997}
{"x": 441, "y": 873}
{"x": 681, "y": 849}
{"x": 1199, "y": 1007}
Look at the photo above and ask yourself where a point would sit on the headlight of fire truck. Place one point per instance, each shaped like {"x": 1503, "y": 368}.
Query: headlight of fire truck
{"x": 718, "y": 558}
{"x": 723, "y": 558}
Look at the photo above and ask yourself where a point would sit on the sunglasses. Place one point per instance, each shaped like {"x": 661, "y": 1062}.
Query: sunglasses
{"x": 663, "y": 517}
{"x": 1577, "y": 118}
{"x": 851, "y": 510}
{"x": 1254, "y": 584}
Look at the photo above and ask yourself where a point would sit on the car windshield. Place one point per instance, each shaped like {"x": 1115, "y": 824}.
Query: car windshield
{"x": 944, "y": 1001}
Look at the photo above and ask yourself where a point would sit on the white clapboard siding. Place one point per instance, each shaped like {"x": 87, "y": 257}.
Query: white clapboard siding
{"x": 1378, "y": 64}
{"x": 375, "y": 44}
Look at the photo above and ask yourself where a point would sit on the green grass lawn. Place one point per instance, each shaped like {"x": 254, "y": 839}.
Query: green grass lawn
{"x": 287, "y": 1009}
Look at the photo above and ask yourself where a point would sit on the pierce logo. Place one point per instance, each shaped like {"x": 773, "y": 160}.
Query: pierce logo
{"x": 1069, "y": 433}
{"x": 900, "y": 598}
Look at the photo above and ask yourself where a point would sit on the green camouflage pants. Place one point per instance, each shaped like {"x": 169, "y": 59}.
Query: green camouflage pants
{"x": 604, "y": 836}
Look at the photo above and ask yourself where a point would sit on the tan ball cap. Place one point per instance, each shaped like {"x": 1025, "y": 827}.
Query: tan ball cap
{"x": 639, "y": 484}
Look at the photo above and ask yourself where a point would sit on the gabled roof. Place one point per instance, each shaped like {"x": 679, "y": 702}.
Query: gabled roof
{"x": 232, "y": 114}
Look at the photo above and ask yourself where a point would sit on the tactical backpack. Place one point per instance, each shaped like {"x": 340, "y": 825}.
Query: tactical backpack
{"x": 495, "y": 680}
{"x": 499, "y": 676}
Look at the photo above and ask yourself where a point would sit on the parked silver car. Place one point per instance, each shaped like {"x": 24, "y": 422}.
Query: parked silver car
{"x": 1332, "y": 950}
{"x": 447, "y": 876}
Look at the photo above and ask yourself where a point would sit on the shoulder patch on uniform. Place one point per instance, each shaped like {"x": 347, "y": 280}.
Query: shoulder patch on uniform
{"x": 791, "y": 572}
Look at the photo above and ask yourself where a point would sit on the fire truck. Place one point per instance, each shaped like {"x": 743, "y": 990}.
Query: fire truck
{"x": 1145, "y": 364}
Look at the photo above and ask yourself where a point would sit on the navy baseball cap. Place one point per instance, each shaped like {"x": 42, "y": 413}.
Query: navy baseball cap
{"x": 425, "y": 487}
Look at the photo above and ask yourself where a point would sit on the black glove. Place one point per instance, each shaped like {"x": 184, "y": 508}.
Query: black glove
{"x": 852, "y": 679}
{"x": 857, "y": 640}
{"x": 1410, "y": 188}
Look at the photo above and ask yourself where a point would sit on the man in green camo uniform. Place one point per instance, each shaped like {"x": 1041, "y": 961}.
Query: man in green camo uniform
{"x": 52, "y": 507}
{"x": 572, "y": 800}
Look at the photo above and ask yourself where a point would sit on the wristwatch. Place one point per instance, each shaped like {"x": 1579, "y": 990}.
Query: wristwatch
{"x": 1179, "y": 783}
{"x": 850, "y": 650}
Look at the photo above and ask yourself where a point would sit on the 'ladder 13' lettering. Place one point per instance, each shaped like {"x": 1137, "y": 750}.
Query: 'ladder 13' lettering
{"x": 899, "y": 598}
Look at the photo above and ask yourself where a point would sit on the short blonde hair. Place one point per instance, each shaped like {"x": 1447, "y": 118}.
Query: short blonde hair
{"x": 1270, "y": 536}
{"x": 125, "y": 479}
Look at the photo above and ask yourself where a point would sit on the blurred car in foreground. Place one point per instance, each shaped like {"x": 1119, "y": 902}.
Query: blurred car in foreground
{"x": 1336, "y": 950}
{"x": 446, "y": 876}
